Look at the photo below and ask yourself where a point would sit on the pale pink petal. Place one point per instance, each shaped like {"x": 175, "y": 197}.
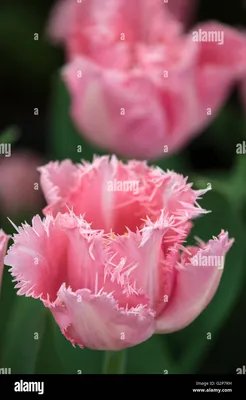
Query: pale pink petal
{"x": 61, "y": 20}
{"x": 228, "y": 55}
{"x": 89, "y": 262}
{"x": 206, "y": 82}
{"x": 194, "y": 287}
{"x": 81, "y": 194}
{"x": 219, "y": 67}
{"x": 174, "y": 194}
{"x": 98, "y": 322}
{"x": 127, "y": 193}
{"x": 142, "y": 20}
{"x": 134, "y": 105}
{"x": 151, "y": 255}
{"x": 57, "y": 178}
{"x": 55, "y": 251}
{"x": 81, "y": 259}
{"x": 144, "y": 254}
{"x": 38, "y": 259}
{"x": 128, "y": 107}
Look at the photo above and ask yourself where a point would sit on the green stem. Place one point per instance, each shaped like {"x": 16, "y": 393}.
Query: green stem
{"x": 114, "y": 362}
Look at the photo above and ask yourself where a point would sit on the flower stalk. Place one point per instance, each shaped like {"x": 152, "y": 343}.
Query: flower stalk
{"x": 114, "y": 362}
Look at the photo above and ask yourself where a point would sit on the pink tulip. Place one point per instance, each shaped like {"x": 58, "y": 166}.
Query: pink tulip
{"x": 19, "y": 187}
{"x": 118, "y": 271}
{"x": 140, "y": 86}
{"x": 3, "y": 247}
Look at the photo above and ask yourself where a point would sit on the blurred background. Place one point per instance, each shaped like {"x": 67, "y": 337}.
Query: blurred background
{"x": 35, "y": 117}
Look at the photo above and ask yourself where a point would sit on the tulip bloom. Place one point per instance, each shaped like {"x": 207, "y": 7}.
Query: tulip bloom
{"x": 109, "y": 257}
{"x": 140, "y": 86}
{"x": 3, "y": 247}
{"x": 19, "y": 183}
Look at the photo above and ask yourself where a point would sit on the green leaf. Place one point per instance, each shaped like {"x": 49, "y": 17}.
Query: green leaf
{"x": 192, "y": 343}
{"x": 10, "y": 135}
{"x": 231, "y": 184}
{"x": 178, "y": 163}
{"x": 76, "y": 360}
{"x": 66, "y": 142}
{"x": 228, "y": 124}
{"x": 150, "y": 357}
{"x": 23, "y": 336}
{"x": 48, "y": 358}
{"x": 8, "y": 299}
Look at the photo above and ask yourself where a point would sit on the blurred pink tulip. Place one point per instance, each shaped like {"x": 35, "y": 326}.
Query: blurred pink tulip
{"x": 19, "y": 187}
{"x": 3, "y": 248}
{"x": 117, "y": 272}
{"x": 140, "y": 86}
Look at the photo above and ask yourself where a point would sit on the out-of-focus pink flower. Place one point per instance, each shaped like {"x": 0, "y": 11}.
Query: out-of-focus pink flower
{"x": 137, "y": 81}
{"x": 108, "y": 259}
{"x": 3, "y": 248}
{"x": 19, "y": 187}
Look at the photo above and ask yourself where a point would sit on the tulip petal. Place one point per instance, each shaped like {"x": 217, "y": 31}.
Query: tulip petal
{"x": 141, "y": 20}
{"x": 37, "y": 259}
{"x": 81, "y": 260}
{"x": 99, "y": 323}
{"x": 62, "y": 188}
{"x": 194, "y": 287}
{"x": 143, "y": 251}
{"x": 57, "y": 178}
{"x": 127, "y": 193}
